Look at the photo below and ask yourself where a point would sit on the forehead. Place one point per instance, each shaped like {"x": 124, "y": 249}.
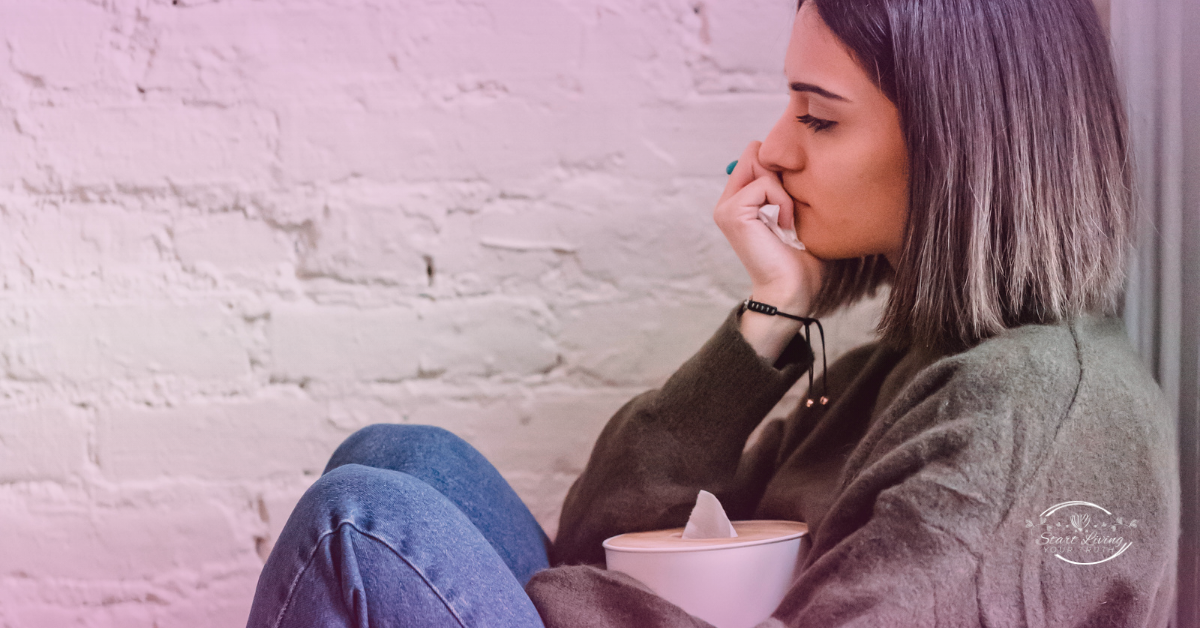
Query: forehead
{"x": 815, "y": 56}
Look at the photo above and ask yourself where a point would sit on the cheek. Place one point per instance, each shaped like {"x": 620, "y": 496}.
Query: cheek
{"x": 849, "y": 184}
{"x": 886, "y": 184}
{"x": 874, "y": 174}
{"x": 859, "y": 199}
{"x": 892, "y": 193}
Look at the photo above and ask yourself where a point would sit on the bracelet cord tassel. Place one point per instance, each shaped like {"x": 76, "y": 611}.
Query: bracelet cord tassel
{"x": 771, "y": 310}
{"x": 824, "y": 364}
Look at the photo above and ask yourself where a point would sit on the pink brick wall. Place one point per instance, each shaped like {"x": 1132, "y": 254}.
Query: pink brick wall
{"x": 232, "y": 232}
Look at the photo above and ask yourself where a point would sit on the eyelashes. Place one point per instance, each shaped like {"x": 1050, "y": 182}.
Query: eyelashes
{"x": 816, "y": 124}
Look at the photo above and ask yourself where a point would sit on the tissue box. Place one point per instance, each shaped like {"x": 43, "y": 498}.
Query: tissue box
{"x": 728, "y": 582}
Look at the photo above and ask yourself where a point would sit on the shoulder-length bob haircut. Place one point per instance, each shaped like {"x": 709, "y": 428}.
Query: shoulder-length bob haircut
{"x": 1020, "y": 188}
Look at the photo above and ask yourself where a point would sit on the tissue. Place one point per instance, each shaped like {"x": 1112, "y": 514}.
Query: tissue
{"x": 708, "y": 519}
{"x": 769, "y": 214}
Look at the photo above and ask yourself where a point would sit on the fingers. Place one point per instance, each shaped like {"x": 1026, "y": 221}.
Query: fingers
{"x": 750, "y": 170}
{"x": 744, "y": 203}
{"x": 744, "y": 172}
{"x": 787, "y": 210}
{"x": 775, "y": 269}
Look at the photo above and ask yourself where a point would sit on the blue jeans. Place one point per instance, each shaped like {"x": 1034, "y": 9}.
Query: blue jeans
{"x": 408, "y": 526}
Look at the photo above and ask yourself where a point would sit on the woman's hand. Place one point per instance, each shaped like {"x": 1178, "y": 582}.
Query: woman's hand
{"x": 779, "y": 274}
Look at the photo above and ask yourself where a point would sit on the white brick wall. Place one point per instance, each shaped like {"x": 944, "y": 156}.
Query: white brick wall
{"x": 232, "y": 232}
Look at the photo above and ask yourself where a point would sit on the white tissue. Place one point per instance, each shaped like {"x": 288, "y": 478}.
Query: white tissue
{"x": 769, "y": 214}
{"x": 708, "y": 519}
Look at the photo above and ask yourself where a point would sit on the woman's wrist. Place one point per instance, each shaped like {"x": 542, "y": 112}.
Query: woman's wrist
{"x": 769, "y": 335}
{"x": 793, "y": 302}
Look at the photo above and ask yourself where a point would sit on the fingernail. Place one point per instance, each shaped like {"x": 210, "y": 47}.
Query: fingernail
{"x": 731, "y": 166}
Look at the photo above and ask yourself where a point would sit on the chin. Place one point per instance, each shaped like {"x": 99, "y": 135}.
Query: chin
{"x": 829, "y": 251}
{"x": 817, "y": 246}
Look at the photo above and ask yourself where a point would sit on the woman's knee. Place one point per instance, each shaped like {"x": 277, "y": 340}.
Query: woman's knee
{"x": 391, "y": 522}
{"x": 389, "y": 445}
{"x": 358, "y": 495}
{"x": 337, "y": 495}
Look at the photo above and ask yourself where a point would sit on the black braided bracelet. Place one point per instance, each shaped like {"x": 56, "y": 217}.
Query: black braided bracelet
{"x": 771, "y": 310}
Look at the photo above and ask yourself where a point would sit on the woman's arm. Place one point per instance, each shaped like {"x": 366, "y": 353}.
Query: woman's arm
{"x": 967, "y": 499}
{"x": 779, "y": 275}
{"x": 665, "y": 445}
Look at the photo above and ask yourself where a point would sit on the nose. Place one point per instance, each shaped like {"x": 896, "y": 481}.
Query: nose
{"x": 782, "y": 149}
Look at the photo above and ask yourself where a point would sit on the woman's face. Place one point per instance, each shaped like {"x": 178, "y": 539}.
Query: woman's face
{"x": 838, "y": 150}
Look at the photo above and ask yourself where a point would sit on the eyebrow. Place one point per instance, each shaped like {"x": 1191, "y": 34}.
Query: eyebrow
{"x": 820, "y": 91}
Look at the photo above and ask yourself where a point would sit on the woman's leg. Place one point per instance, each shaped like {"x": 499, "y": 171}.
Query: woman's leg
{"x": 454, "y": 469}
{"x": 369, "y": 547}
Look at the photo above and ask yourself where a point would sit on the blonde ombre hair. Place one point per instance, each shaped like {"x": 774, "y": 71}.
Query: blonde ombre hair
{"x": 1020, "y": 199}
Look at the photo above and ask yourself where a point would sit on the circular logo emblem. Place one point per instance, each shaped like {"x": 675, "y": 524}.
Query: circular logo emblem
{"x": 1083, "y": 533}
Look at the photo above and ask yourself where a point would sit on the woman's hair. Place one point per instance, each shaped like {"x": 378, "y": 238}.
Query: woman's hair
{"x": 1020, "y": 200}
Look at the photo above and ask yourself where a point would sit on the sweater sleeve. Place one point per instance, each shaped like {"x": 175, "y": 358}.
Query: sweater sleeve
{"x": 955, "y": 508}
{"x": 665, "y": 445}
{"x": 925, "y": 496}
{"x": 885, "y": 554}
{"x": 991, "y": 494}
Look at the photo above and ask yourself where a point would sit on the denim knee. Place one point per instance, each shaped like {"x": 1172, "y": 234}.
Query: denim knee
{"x": 385, "y": 444}
{"x": 338, "y": 494}
{"x": 372, "y": 534}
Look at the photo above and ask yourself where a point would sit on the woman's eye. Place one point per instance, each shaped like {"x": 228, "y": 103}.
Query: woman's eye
{"x": 816, "y": 124}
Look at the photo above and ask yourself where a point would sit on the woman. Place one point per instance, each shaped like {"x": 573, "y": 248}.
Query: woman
{"x": 999, "y": 458}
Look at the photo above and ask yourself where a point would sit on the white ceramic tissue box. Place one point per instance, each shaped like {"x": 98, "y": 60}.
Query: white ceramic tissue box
{"x": 728, "y": 582}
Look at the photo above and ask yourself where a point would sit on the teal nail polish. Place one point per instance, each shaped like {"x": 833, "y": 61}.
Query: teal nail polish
{"x": 730, "y": 167}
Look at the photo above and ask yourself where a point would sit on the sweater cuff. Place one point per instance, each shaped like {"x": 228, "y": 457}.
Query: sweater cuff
{"x": 729, "y": 378}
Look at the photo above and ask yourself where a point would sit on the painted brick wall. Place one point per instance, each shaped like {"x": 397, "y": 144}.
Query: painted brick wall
{"x": 234, "y": 231}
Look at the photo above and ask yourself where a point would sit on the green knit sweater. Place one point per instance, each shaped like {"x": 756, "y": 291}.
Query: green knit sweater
{"x": 1029, "y": 481}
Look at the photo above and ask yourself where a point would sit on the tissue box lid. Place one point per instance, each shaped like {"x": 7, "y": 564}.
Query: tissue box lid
{"x": 757, "y": 532}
